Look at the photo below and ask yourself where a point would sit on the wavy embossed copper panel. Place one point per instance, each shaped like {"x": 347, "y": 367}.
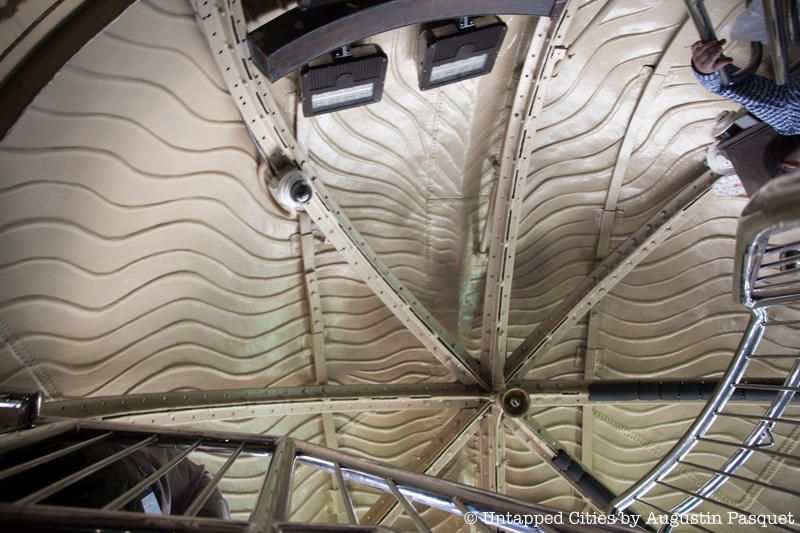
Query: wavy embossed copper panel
{"x": 139, "y": 251}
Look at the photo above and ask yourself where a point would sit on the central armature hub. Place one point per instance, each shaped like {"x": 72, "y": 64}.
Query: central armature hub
{"x": 515, "y": 402}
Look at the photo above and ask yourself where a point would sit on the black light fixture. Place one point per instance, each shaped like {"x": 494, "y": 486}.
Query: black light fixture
{"x": 458, "y": 50}
{"x": 349, "y": 77}
{"x": 314, "y": 4}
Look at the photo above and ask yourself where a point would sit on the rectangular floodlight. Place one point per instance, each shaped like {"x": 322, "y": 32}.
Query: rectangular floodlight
{"x": 452, "y": 52}
{"x": 340, "y": 81}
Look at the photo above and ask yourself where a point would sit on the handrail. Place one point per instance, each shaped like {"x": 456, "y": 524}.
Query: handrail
{"x": 705, "y": 28}
{"x": 773, "y": 211}
{"x": 270, "y": 512}
{"x": 751, "y": 338}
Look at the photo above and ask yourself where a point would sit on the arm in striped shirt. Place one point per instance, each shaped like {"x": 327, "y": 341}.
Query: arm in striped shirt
{"x": 777, "y": 105}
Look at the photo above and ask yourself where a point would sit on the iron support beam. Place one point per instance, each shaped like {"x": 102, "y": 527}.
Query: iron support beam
{"x": 539, "y": 440}
{"x": 317, "y": 325}
{"x": 341, "y": 233}
{"x": 655, "y": 78}
{"x": 489, "y": 449}
{"x": 505, "y": 212}
{"x": 317, "y": 335}
{"x": 611, "y": 271}
{"x": 179, "y": 407}
{"x": 440, "y": 451}
{"x": 225, "y": 28}
{"x": 284, "y": 400}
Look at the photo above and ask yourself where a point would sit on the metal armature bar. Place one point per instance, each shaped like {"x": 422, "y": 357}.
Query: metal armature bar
{"x": 408, "y": 508}
{"x": 302, "y": 400}
{"x": 273, "y": 501}
{"x": 23, "y": 439}
{"x": 505, "y": 204}
{"x": 340, "y": 232}
{"x": 668, "y": 513}
{"x": 441, "y": 449}
{"x": 483, "y": 528}
{"x": 63, "y": 483}
{"x": 554, "y": 455}
{"x": 201, "y": 498}
{"x": 654, "y": 79}
{"x": 775, "y": 355}
{"x": 620, "y": 392}
{"x": 489, "y": 442}
{"x": 223, "y": 23}
{"x": 348, "y": 501}
{"x": 610, "y": 272}
{"x": 134, "y": 491}
{"x": 57, "y": 518}
{"x": 775, "y": 419}
{"x": 8, "y": 472}
{"x": 294, "y": 38}
{"x": 754, "y": 386}
{"x": 784, "y": 490}
{"x": 736, "y": 369}
{"x": 759, "y": 449}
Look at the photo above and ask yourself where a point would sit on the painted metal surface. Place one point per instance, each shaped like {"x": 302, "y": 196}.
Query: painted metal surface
{"x": 140, "y": 253}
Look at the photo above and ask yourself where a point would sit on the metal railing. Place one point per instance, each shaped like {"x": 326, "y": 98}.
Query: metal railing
{"x": 705, "y": 28}
{"x": 781, "y": 17}
{"x": 767, "y": 282}
{"x": 270, "y": 511}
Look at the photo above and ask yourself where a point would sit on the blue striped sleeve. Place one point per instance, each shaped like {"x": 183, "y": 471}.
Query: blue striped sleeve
{"x": 777, "y": 105}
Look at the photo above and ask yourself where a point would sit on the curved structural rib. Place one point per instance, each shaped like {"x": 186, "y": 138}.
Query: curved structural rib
{"x": 38, "y": 67}
{"x": 224, "y": 26}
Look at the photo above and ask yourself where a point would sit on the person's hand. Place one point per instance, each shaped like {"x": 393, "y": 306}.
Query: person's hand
{"x": 707, "y": 56}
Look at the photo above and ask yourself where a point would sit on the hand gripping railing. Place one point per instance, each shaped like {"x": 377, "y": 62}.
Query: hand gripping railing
{"x": 24, "y": 450}
{"x": 767, "y": 282}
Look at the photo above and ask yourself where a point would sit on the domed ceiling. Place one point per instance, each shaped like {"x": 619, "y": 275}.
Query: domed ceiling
{"x": 140, "y": 251}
